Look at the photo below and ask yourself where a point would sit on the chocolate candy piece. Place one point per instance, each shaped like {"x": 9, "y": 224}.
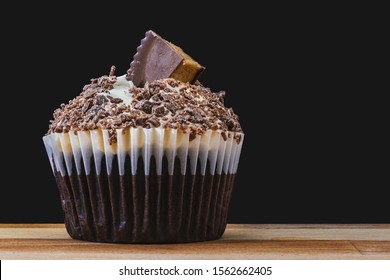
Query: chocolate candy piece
{"x": 157, "y": 58}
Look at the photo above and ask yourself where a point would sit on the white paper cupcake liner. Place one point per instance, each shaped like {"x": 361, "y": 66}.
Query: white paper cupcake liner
{"x": 152, "y": 186}
{"x": 223, "y": 155}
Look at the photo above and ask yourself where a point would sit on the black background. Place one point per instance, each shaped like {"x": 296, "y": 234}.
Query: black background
{"x": 312, "y": 151}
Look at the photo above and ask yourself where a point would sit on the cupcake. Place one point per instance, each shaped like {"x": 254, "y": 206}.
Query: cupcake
{"x": 146, "y": 157}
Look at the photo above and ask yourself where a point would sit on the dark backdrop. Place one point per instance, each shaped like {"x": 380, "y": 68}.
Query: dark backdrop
{"x": 311, "y": 153}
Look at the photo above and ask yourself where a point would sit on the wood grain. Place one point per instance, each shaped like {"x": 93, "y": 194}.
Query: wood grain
{"x": 265, "y": 241}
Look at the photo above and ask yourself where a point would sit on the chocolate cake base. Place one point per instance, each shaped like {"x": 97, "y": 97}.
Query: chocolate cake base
{"x": 145, "y": 209}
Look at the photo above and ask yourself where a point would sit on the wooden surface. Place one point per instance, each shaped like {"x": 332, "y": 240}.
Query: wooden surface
{"x": 265, "y": 241}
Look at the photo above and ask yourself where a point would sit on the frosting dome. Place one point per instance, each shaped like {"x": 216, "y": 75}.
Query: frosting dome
{"x": 112, "y": 102}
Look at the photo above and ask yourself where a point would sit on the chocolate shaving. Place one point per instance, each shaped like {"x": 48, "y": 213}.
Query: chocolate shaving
{"x": 166, "y": 103}
{"x": 112, "y": 70}
{"x": 115, "y": 100}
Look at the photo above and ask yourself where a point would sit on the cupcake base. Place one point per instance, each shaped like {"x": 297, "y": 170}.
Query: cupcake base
{"x": 145, "y": 208}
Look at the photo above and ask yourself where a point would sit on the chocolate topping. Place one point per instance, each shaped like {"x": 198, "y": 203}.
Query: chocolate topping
{"x": 112, "y": 70}
{"x": 157, "y": 59}
{"x": 167, "y": 103}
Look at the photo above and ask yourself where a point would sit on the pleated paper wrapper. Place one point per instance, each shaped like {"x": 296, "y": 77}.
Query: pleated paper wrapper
{"x": 151, "y": 186}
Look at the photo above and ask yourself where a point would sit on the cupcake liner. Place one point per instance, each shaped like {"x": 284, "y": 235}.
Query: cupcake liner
{"x": 151, "y": 186}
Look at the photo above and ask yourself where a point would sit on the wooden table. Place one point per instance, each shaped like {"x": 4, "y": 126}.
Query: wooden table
{"x": 265, "y": 241}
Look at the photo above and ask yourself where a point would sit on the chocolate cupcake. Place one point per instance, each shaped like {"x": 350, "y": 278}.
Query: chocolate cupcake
{"x": 153, "y": 163}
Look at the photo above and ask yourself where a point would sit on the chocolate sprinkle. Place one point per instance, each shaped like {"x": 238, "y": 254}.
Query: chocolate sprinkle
{"x": 112, "y": 70}
{"x": 166, "y": 103}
